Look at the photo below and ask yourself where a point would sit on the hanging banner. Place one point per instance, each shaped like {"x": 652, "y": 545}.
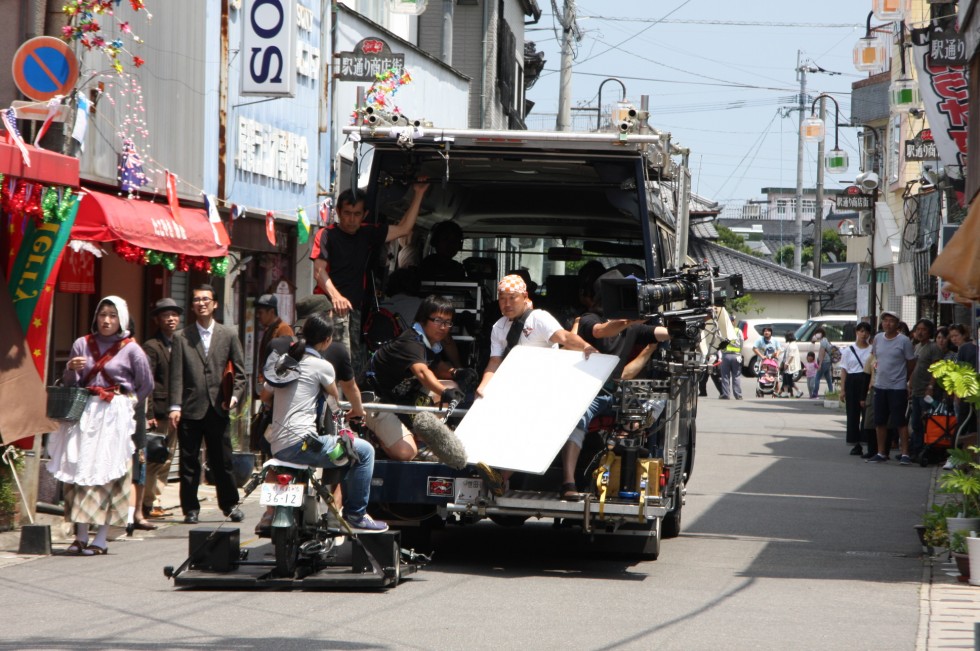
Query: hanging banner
{"x": 945, "y": 97}
{"x": 38, "y": 257}
{"x": 77, "y": 275}
{"x": 948, "y": 231}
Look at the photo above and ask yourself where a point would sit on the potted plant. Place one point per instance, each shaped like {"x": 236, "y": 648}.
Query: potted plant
{"x": 8, "y": 496}
{"x": 963, "y": 484}
{"x": 957, "y": 545}
{"x": 831, "y": 400}
{"x": 932, "y": 532}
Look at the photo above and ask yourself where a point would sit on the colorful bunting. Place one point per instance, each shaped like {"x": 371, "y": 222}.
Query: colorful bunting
{"x": 302, "y": 226}
{"x": 270, "y": 227}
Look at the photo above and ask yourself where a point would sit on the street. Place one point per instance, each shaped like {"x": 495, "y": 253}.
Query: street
{"x": 787, "y": 543}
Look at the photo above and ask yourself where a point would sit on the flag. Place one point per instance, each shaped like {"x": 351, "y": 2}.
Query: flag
{"x": 39, "y": 254}
{"x": 302, "y": 226}
{"x": 172, "y": 197}
{"x": 81, "y": 121}
{"x": 10, "y": 124}
{"x": 237, "y": 212}
{"x": 217, "y": 227}
{"x": 270, "y": 227}
{"x": 53, "y": 105}
{"x": 131, "y": 176}
{"x": 324, "y": 212}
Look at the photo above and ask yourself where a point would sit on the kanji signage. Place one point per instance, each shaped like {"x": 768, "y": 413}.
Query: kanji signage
{"x": 947, "y": 48}
{"x": 854, "y": 199}
{"x": 269, "y": 46}
{"x": 370, "y": 58}
{"x": 922, "y": 147}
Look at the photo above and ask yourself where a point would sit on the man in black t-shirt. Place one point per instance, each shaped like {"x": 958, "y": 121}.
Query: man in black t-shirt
{"x": 342, "y": 253}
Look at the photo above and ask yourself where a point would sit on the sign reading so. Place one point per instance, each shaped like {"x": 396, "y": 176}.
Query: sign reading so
{"x": 269, "y": 46}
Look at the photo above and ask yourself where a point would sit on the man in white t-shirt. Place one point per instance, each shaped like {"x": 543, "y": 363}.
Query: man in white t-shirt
{"x": 533, "y": 328}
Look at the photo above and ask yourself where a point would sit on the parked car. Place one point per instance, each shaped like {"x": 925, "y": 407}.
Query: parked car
{"x": 752, "y": 331}
{"x": 839, "y": 328}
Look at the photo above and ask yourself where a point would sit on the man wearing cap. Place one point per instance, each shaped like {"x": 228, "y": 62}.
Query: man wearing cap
{"x": 267, "y": 314}
{"x": 895, "y": 359}
{"x": 166, "y": 313}
{"x": 343, "y": 252}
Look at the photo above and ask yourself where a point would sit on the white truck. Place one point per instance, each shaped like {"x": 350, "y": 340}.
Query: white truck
{"x": 548, "y": 202}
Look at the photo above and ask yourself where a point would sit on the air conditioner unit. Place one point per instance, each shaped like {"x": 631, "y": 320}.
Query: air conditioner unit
{"x": 867, "y": 223}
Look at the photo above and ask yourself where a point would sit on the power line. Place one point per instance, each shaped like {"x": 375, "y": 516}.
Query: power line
{"x": 737, "y": 23}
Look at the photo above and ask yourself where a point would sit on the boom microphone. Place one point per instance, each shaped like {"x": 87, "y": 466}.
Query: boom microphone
{"x": 441, "y": 440}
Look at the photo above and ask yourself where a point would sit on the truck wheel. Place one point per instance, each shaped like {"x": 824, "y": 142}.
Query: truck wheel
{"x": 671, "y": 527}
{"x": 285, "y": 541}
{"x": 753, "y": 367}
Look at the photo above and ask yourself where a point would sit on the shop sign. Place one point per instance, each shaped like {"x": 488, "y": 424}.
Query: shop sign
{"x": 854, "y": 199}
{"x": 271, "y": 152}
{"x": 370, "y": 58}
{"x": 947, "y": 48}
{"x": 269, "y": 48}
{"x": 922, "y": 147}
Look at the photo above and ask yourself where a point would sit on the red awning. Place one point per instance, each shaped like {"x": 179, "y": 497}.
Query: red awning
{"x": 105, "y": 218}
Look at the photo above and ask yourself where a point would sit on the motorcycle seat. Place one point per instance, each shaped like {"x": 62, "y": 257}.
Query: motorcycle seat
{"x": 287, "y": 464}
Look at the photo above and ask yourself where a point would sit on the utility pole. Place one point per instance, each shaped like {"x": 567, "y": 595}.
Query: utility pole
{"x": 569, "y": 31}
{"x": 798, "y": 238}
{"x": 818, "y": 215}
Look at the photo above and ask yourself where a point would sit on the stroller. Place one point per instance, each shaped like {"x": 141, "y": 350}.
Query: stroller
{"x": 768, "y": 380}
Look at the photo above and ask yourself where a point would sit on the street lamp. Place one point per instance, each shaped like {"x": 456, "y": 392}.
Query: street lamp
{"x": 890, "y": 10}
{"x": 871, "y": 52}
{"x": 834, "y": 161}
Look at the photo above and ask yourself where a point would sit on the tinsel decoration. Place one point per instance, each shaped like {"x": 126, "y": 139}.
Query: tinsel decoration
{"x": 153, "y": 257}
{"x": 67, "y": 203}
{"x": 169, "y": 261}
{"x": 219, "y": 267}
{"x": 49, "y": 205}
{"x": 84, "y": 27}
{"x": 129, "y": 252}
{"x": 379, "y": 95}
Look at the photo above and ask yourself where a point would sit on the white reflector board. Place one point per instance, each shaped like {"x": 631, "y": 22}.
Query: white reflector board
{"x": 530, "y": 407}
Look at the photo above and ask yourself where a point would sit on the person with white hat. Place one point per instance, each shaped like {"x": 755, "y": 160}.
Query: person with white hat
{"x": 895, "y": 358}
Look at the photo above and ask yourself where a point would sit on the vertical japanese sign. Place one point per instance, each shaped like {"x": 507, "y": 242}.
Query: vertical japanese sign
{"x": 945, "y": 96}
{"x": 269, "y": 48}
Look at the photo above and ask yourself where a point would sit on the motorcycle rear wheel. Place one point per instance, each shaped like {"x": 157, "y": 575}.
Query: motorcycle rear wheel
{"x": 285, "y": 541}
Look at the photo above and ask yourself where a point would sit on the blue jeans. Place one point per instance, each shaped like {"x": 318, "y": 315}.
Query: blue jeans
{"x": 826, "y": 372}
{"x": 813, "y": 384}
{"x": 357, "y": 481}
{"x": 601, "y": 404}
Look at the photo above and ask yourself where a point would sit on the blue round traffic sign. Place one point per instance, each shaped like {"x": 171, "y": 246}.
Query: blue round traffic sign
{"x": 43, "y": 67}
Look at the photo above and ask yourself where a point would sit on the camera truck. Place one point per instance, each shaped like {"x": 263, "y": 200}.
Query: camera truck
{"x": 549, "y": 202}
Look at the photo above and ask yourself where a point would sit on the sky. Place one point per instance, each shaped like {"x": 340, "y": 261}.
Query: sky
{"x": 717, "y": 88}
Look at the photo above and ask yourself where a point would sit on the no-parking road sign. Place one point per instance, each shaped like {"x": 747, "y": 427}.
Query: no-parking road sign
{"x": 44, "y": 67}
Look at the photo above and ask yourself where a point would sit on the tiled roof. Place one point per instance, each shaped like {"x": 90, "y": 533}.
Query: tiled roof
{"x": 758, "y": 275}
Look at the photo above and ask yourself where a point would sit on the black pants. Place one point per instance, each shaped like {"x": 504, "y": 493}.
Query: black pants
{"x": 703, "y": 382}
{"x": 212, "y": 430}
{"x": 855, "y": 390}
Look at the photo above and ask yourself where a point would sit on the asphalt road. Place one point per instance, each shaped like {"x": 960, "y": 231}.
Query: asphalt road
{"x": 788, "y": 543}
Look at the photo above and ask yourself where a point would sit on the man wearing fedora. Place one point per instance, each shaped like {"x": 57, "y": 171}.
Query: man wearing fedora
{"x": 166, "y": 313}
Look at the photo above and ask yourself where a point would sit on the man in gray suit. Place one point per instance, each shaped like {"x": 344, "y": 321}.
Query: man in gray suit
{"x": 198, "y": 359}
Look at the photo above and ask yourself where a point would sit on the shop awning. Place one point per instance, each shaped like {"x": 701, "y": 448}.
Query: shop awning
{"x": 106, "y": 218}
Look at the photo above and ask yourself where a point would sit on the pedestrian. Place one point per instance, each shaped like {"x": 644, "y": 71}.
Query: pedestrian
{"x": 790, "y": 366}
{"x": 927, "y": 352}
{"x": 824, "y": 359}
{"x": 895, "y": 360}
{"x": 267, "y": 314}
{"x": 811, "y": 368}
{"x": 342, "y": 254}
{"x": 166, "y": 313}
{"x": 731, "y": 361}
{"x": 855, "y": 383}
{"x": 202, "y": 354}
{"x": 93, "y": 455}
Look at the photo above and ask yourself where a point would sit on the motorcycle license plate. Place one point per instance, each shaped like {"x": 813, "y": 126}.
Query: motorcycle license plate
{"x": 278, "y": 495}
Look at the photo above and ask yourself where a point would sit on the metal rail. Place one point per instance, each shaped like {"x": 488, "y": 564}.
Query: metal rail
{"x": 504, "y": 135}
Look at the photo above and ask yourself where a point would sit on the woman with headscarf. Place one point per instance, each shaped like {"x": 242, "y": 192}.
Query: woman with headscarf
{"x": 93, "y": 456}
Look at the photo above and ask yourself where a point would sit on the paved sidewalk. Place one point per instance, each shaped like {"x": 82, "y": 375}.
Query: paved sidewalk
{"x": 949, "y": 610}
